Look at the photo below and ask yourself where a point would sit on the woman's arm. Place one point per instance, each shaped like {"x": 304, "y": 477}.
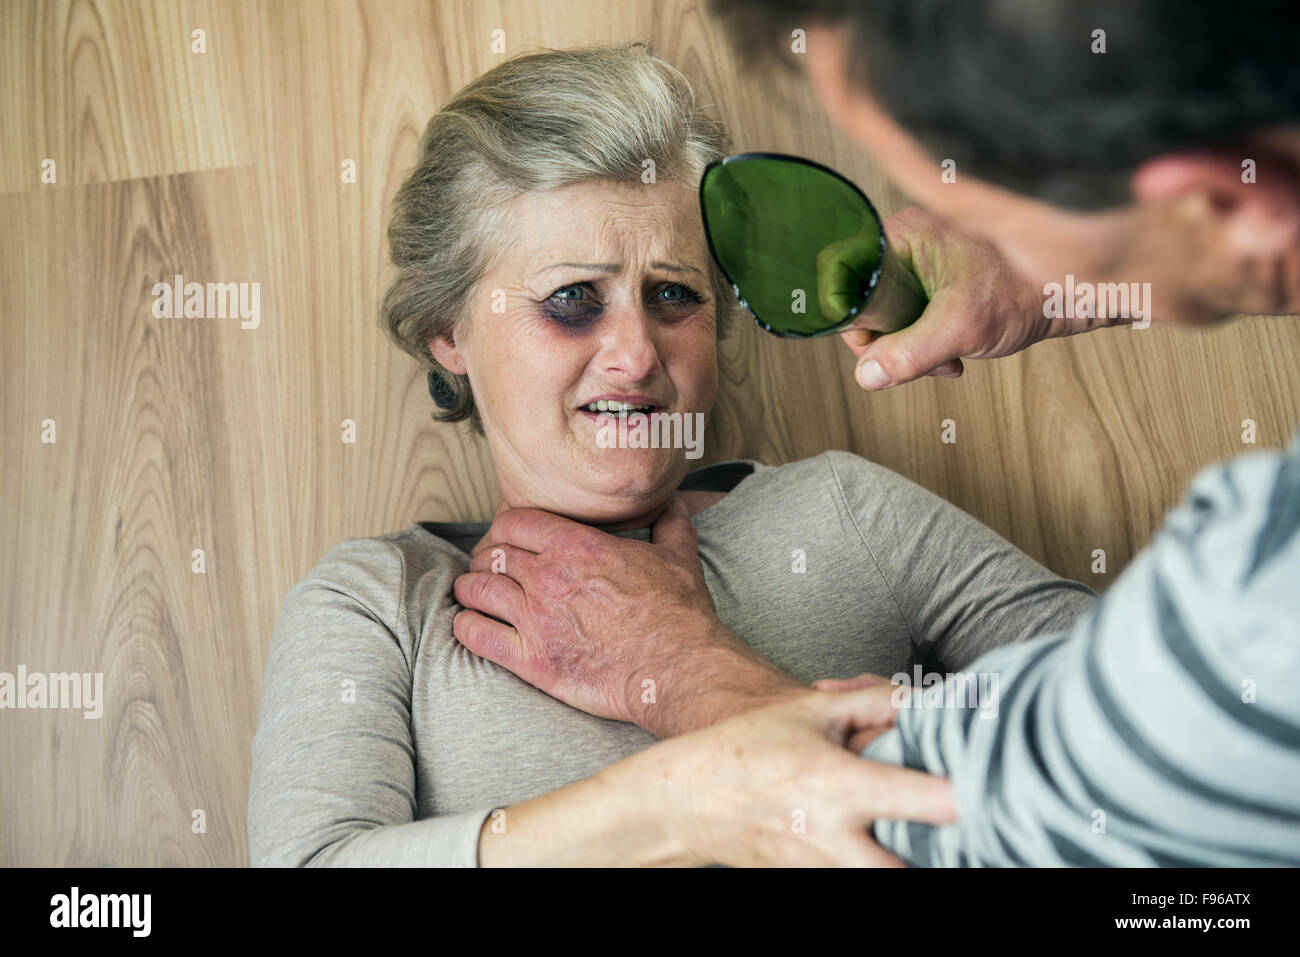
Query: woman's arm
{"x": 333, "y": 775}
{"x": 615, "y": 818}
{"x": 962, "y": 588}
{"x": 772, "y": 786}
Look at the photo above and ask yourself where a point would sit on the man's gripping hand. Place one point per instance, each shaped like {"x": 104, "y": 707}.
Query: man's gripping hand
{"x": 616, "y": 627}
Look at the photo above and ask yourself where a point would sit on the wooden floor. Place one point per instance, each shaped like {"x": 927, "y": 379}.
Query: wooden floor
{"x": 176, "y": 435}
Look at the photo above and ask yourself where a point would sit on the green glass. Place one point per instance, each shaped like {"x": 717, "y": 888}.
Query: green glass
{"x": 801, "y": 245}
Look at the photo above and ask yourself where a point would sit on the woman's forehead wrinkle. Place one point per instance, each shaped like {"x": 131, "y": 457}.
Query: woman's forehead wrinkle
{"x": 586, "y": 230}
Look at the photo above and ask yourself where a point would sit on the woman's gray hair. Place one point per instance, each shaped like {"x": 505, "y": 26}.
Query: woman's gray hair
{"x": 535, "y": 122}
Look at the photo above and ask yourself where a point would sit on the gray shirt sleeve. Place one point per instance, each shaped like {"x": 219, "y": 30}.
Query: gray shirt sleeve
{"x": 961, "y": 587}
{"x": 1162, "y": 729}
{"x": 333, "y": 778}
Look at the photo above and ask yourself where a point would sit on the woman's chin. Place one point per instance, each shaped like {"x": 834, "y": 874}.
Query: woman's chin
{"x": 623, "y": 484}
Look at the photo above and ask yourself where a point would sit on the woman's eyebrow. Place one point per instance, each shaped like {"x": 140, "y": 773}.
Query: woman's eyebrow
{"x": 615, "y": 267}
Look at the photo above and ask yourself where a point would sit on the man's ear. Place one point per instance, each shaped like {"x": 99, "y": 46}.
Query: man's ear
{"x": 445, "y": 350}
{"x": 1254, "y": 206}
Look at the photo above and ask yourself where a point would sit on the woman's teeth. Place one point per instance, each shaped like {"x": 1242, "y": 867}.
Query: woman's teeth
{"x": 619, "y": 408}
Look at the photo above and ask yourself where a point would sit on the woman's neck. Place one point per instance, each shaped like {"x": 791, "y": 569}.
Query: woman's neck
{"x": 695, "y": 502}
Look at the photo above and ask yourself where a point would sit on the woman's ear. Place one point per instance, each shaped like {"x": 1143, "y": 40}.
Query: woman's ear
{"x": 445, "y": 350}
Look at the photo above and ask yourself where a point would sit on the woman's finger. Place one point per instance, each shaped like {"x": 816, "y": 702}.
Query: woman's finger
{"x": 888, "y": 791}
{"x": 860, "y": 739}
{"x": 873, "y": 855}
{"x": 865, "y": 680}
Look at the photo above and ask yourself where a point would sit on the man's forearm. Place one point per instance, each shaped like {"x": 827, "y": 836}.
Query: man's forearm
{"x": 714, "y": 676}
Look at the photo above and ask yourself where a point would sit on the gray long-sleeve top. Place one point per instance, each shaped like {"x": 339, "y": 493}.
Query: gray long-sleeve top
{"x": 383, "y": 741}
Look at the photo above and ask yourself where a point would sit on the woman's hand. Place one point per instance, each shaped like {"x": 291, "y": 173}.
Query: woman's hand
{"x": 862, "y": 738}
{"x": 771, "y": 786}
{"x": 776, "y": 785}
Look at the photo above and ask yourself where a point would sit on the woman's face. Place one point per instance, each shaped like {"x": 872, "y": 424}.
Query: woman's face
{"x": 602, "y": 293}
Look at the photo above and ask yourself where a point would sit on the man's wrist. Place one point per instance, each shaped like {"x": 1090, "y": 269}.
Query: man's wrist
{"x": 711, "y": 678}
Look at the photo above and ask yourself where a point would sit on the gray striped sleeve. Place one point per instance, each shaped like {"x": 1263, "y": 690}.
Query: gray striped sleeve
{"x": 1162, "y": 729}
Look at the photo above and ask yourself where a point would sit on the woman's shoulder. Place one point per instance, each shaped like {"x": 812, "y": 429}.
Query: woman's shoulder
{"x": 380, "y": 573}
{"x": 815, "y": 489}
{"x": 379, "y": 557}
{"x": 826, "y": 470}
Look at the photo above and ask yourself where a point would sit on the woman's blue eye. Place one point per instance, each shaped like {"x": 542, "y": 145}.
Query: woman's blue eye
{"x": 684, "y": 294}
{"x": 573, "y": 305}
{"x": 572, "y": 299}
{"x": 568, "y": 297}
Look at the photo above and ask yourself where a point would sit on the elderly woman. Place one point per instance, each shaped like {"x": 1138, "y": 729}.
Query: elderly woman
{"x": 554, "y": 276}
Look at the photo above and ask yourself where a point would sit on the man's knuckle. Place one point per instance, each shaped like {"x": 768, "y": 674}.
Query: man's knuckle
{"x": 903, "y": 364}
{"x": 479, "y": 586}
{"x": 971, "y": 331}
{"x": 582, "y": 549}
{"x": 555, "y": 580}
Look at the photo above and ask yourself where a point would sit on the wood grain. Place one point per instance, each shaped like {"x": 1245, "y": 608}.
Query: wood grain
{"x": 175, "y": 435}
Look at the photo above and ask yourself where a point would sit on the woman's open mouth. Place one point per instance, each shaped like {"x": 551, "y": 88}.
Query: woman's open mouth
{"x": 612, "y": 407}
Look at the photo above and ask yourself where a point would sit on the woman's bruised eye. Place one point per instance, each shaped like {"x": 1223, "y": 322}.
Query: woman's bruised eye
{"x": 572, "y": 306}
{"x": 575, "y": 305}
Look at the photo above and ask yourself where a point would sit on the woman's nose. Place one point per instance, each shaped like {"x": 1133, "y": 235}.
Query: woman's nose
{"x": 628, "y": 345}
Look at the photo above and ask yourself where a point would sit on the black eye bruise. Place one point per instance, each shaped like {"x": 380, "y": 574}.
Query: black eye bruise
{"x": 573, "y": 313}
{"x": 571, "y": 322}
{"x": 579, "y": 314}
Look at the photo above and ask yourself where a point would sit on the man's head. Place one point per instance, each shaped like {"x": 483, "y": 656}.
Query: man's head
{"x": 1132, "y": 141}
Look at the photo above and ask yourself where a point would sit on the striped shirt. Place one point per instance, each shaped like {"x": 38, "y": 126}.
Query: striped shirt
{"x": 1161, "y": 729}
